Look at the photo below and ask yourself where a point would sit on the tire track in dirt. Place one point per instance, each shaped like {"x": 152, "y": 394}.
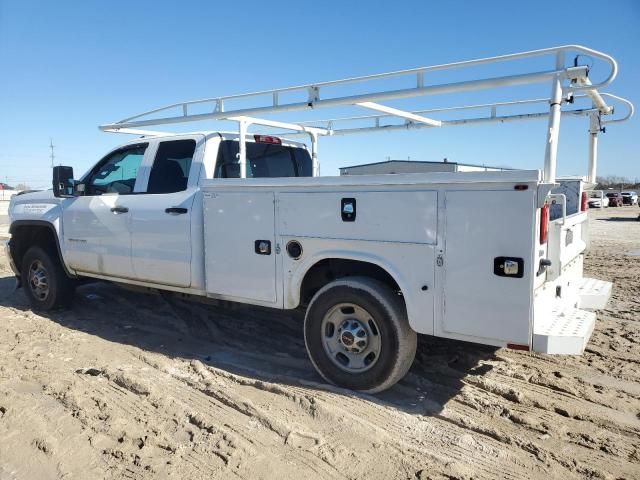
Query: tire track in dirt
{"x": 407, "y": 444}
{"x": 204, "y": 409}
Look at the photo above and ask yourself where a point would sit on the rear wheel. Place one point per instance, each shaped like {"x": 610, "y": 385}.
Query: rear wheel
{"x": 358, "y": 336}
{"x": 46, "y": 285}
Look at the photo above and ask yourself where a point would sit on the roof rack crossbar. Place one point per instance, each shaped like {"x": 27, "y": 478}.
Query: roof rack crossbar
{"x": 367, "y": 123}
{"x": 493, "y": 106}
{"x": 567, "y": 82}
{"x": 401, "y": 113}
{"x": 313, "y": 90}
{"x": 138, "y": 121}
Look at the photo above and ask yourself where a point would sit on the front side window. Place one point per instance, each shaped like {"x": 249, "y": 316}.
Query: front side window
{"x": 170, "y": 171}
{"x": 263, "y": 160}
{"x": 117, "y": 172}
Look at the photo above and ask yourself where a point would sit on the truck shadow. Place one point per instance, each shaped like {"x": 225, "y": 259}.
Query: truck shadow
{"x": 252, "y": 342}
{"x": 620, "y": 219}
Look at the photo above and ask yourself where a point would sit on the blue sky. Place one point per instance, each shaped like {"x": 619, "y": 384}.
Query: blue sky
{"x": 67, "y": 67}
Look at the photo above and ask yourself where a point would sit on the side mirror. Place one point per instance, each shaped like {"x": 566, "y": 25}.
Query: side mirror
{"x": 63, "y": 183}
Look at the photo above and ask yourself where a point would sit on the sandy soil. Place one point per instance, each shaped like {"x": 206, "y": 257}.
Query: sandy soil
{"x": 131, "y": 385}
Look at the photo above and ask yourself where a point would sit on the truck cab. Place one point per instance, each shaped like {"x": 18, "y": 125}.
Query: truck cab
{"x": 133, "y": 216}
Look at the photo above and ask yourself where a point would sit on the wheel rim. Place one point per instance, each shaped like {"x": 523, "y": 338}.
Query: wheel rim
{"x": 351, "y": 338}
{"x": 39, "y": 280}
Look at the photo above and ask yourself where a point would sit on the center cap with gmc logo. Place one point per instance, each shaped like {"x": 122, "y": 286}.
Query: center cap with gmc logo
{"x": 352, "y": 336}
{"x": 347, "y": 338}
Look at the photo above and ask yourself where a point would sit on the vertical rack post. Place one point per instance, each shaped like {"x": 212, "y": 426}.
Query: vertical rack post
{"x": 314, "y": 154}
{"x": 594, "y": 128}
{"x": 242, "y": 149}
{"x": 551, "y": 152}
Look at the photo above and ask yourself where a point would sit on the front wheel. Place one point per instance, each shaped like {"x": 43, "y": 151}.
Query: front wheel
{"x": 46, "y": 285}
{"x": 358, "y": 336}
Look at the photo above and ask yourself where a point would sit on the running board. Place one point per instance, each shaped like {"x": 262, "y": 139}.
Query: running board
{"x": 566, "y": 331}
{"x": 594, "y": 294}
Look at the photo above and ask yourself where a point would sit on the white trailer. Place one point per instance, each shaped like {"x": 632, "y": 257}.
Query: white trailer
{"x": 375, "y": 259}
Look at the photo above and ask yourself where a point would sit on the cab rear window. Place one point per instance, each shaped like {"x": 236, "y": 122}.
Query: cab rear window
{"x": 263, "y": 160}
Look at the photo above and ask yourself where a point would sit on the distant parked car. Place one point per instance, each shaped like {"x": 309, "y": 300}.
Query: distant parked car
{"x": 597, "y": 199}
{"x": 629, "y": 198}
{"x": 615, "y": 199}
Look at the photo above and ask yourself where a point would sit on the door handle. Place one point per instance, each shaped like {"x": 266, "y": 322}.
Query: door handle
{"x": 119, "y": 209}
{"x": 176, "y": 210}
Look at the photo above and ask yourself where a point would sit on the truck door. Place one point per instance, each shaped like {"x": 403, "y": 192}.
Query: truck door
{"x": 161, "y": 215}
{"x": 240, "y": 250}
{"x": 481, "y": 227}
{"x": 96, "y": 225}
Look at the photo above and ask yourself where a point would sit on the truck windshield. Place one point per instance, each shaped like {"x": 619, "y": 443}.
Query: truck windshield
{"x": 263, "y": 160}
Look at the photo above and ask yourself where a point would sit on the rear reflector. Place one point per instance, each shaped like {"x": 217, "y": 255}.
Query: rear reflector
{"x": 544, "y": 224}
{"x": 267, "y": 139}
{"x": 515, "y": 346}
{"x": 584, "y": 205}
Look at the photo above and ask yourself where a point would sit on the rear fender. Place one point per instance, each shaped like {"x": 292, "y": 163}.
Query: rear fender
{"x": 294, "y": 277}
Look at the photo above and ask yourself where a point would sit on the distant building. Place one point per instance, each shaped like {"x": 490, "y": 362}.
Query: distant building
{"x": 413, "y": 166}
{"x": 6, "y": 192}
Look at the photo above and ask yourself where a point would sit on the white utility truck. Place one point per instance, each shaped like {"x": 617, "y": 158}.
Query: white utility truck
{"x": 376, "y": 259}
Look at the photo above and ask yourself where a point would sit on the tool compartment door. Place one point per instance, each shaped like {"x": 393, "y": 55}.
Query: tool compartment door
{"x": 480, "y": 227}
{"x": 239, "y": 245}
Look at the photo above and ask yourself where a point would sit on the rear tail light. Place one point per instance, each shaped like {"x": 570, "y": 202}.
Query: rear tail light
{"x": 544, "y": 224}
{"x": 267, "y": 139}
{"x": 584, "y": 205}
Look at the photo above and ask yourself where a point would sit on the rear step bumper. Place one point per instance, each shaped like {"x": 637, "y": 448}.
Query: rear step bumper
{"x": 567, "y": 332}
{"x": 568, "y": 327}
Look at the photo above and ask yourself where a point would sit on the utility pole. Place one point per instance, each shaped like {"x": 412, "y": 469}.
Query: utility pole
{"x": 51, "y": 145}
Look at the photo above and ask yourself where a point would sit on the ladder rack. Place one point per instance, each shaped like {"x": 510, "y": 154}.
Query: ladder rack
{"x": 568, "y": 84}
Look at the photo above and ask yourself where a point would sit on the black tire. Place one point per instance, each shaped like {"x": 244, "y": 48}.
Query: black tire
{"x": 397, "y": 341}
{"x": 59, "y": 287}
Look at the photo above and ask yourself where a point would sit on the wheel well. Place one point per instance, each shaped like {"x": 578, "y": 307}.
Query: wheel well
{"x": 330, "y": 269}
{"x": 27, "y": 236}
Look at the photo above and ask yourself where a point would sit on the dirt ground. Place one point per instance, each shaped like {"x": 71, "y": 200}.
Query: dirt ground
{"x": 131, "y": 385}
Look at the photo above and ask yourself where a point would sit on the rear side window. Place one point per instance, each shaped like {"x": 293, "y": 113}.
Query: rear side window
{"x": 170, "y": 171}
{"x": 263, "y": 160}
